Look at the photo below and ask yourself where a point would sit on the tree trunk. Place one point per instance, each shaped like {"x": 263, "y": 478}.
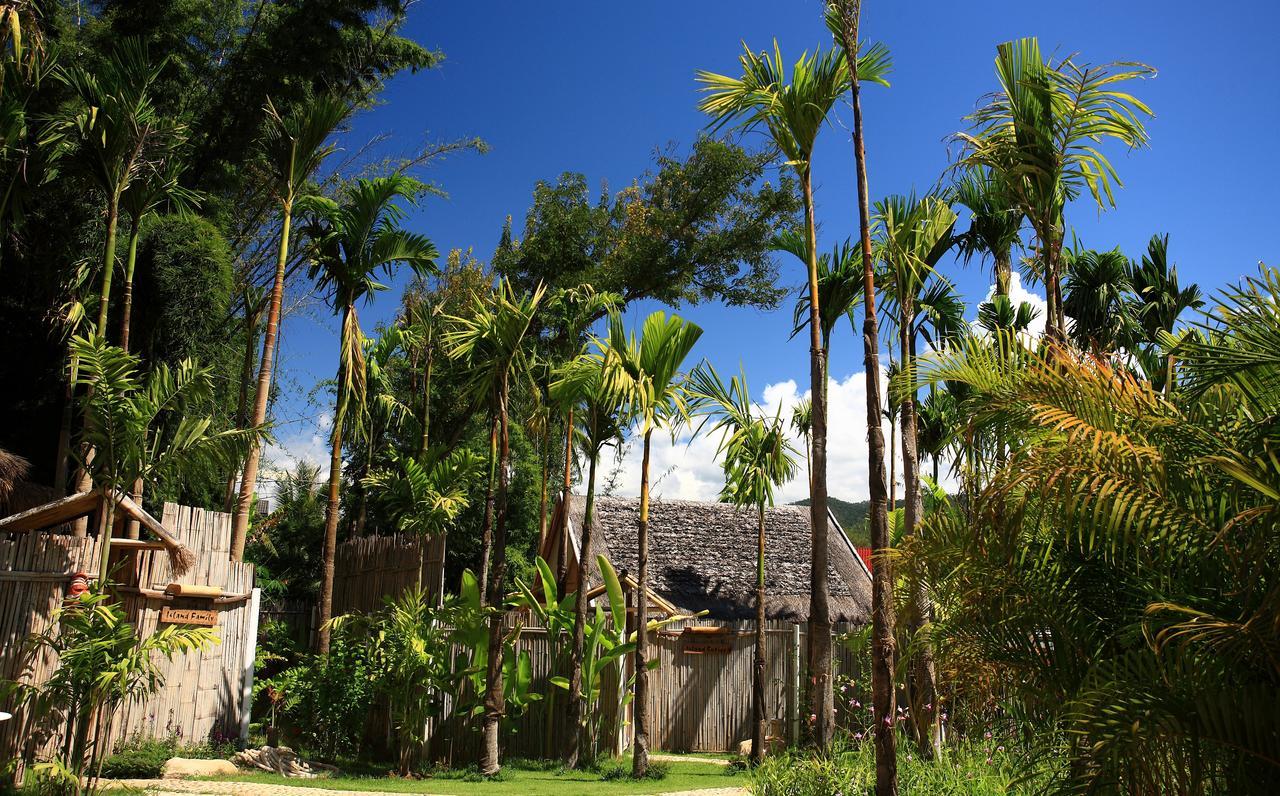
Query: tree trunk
{"x": 494, "y": 703}
{"x": 426, "y": 402}
{"x": 759, "y": 720}
{"x": 893, "y": 460}
{"x": 60, "y": 484}
{"x": 568, "y": 484}
{"x": 108, "y": 264}
{"x": 126, "y": 306}
{"x": 486, "y": 527}
{"x": 331, "y": 512}
{"x": 821, "y": 695}
{"x": 577, "y": 702}
{"x": 242, "y": 402}
{"x": 882, "y": 618}
{"x": 923, "y": 686}
{"x": 249, "y": 481}
{"x": 1004, "y": 273}
{"x": 640, "y": 702}
{"x": 544, "y": 484}
{"x": 132, "y": 528}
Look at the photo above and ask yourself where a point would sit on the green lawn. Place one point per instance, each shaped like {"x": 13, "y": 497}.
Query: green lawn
{"x": 527, "y": 782}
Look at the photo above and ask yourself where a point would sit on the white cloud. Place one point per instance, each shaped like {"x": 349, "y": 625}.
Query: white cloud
{"x": 688, "y": 469}
{"x": 1019, "y": 294}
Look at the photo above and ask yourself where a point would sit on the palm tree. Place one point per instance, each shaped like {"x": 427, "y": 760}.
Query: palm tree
{"x": 649, "y": 372}
{"x": 757, "y": 459}
{"x": 569, "y": 312}
{"x": 383, "y": 412}
{"x": 999, "y": 314}
{"x": 295, "y": 147}
{"x": 495, "y": 343}
{"x": 793, "y": 113}
{"x": 1039, "y": 134}
{"x": 995, "y": 224}
{"x": 425, "y": 496}
{"x": 156, "y": 186}
{"x": 112, "y": 131}
{"x": 914, "y": 236}
{"x": 1157, "y": 299}
{"x": 147, "y": 429}
{"x": 591, "y": 383}
{"x": 1107, "y": 577}
{"x": 351, "y": 242}
{"x": 1097, "y": 285}
{"x": 843, "y": 18}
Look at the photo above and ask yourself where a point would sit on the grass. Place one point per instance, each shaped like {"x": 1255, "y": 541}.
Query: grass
{"x": 968, "y": 768}
{"x": 526, "y": 781}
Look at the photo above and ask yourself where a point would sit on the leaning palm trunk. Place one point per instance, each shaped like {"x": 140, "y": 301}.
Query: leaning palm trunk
{"x": 248, "y": 482}
{"x": 882, "y": 618}
{"x": 640, "y": 704}
{"x": 494, "y": 702}
{"x": 132, "y": 528}
{"x": 923, "y": 686}
{"x": 331, "y": 512}
{"x": 821, "y": 694}
{"x": 758, "y": 719}
{"x": 577, "y": 701}
{"x": 561, "y": 568}
{"x": 242, "y": 402}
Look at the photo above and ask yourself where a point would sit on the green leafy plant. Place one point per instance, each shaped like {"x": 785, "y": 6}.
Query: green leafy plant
{"x": 103, "y": 664}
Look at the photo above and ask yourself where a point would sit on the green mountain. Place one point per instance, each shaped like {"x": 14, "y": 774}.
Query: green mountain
{"x": 851, "y": 516}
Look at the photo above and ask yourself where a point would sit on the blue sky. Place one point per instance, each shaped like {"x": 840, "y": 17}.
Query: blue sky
{"x": 596, "y": 87}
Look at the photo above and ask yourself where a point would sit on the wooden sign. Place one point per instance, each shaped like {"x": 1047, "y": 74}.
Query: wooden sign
{"x": 707, "y": 641}
{"x": 205, "y": 617}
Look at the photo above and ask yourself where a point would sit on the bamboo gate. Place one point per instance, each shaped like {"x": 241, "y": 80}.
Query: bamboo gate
{"x": 699, "y": 697}
{"x": 205, "y": 694}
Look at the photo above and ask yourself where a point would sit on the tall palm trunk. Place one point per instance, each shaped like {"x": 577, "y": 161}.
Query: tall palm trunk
{"x": 924, "y": 687}
{"x": 561, "y": 568}
{"x": 893, "y": 461}
{"x": 126, "y": 298}
{"x": 331, "y": 512}
{"x": 494, "y": 702}
{"x": 545, "y": 479}
{"x": 425, "y": 442}
{"x": 821, "y": 695}
{"x": 758, "y": 718}
{"x": 132, "y": 528}
{"x": 248, "y": 482}
{"x": 882, "y": 618}
{"x": 640, "y": 703}
{"x": 242, "y": 402}
{"x": 108, "y": 263}
{"x": 486, "y": 527}
{"x": 83, "y": 480}
{"x": 577, "y": 702}
{"x": 64, "y": 428}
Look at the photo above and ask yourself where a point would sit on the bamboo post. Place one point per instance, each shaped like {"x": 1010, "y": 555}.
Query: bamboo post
{"x": 795, "y": 684}
{"x": 250, "y": 654}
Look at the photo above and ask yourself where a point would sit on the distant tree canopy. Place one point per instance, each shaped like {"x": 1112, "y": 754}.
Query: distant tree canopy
{"x": 695, "y": 229}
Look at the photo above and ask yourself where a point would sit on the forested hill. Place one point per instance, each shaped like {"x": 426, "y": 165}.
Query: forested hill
{"x": 851, "y": 516}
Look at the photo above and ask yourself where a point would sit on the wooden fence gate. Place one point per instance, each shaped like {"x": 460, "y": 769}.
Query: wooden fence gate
{"x": 205, "y": 694}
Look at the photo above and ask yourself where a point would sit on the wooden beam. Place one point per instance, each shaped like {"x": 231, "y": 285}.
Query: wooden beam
{"x": 54, "y": 513}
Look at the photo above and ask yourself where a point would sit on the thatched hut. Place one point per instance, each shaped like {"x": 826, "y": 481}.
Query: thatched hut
{"x": 702, "y": 557}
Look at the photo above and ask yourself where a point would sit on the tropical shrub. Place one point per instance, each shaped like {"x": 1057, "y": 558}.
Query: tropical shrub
{"x": 325, "y": 699}
{"x": 144, "y": 758}
{"x": 103, "y": 664}
{"x": 1119, "y": 567}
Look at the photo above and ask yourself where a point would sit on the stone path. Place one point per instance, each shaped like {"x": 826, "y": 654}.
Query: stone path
{"x": 185, "y": 787}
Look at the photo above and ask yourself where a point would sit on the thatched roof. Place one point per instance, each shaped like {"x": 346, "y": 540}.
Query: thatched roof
{"x": 13, "y": 469}
{"x": 702, "y": 556}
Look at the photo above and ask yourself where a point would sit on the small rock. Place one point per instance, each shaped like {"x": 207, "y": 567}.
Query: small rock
{"x": 176, "y": 767}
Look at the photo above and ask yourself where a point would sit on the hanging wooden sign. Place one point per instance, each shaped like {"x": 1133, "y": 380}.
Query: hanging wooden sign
{"x": 204, "y": 617}
{"x": 707, "y": 641}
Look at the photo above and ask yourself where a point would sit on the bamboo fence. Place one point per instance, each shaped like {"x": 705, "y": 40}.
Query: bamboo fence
{"x": 203, "y": 692}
